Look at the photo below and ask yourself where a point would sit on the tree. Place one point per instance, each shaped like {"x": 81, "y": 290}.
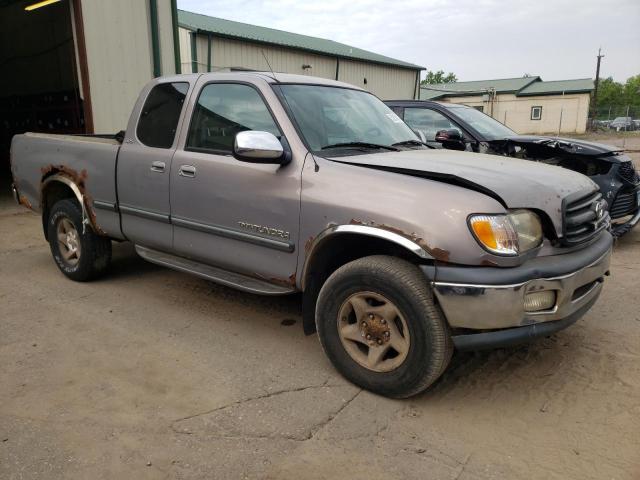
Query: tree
{"x": 610, "y": 93}
{"x": 439, "y": 77}
{"x": 614, "y": 97}
{"x": 631, "y": 91}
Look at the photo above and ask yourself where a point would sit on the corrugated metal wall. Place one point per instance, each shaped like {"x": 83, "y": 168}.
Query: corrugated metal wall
{"x": 119, "y": 54}
{"x": 387, "y": 82}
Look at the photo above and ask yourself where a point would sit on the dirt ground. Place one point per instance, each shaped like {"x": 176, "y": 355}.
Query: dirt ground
{"x": 150, "y": 373}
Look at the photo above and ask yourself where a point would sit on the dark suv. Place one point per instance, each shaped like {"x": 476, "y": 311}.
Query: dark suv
{"x": 458, "y": 127}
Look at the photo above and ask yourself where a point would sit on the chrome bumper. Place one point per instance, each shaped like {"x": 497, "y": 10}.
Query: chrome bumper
{"x": 485, "y": 307}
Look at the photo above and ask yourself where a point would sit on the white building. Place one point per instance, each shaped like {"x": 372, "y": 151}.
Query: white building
{"x": 209, "y": 44}
{"x": 527, "y": 105}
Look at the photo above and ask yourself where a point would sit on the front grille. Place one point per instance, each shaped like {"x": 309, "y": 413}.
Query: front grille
{"x": 580, "y": 220}
{"x": 628, "y": 172}
{"x": 624, "y": 204}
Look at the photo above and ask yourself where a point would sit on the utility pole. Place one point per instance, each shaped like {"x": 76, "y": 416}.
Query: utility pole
{"x": 594, "y": 110}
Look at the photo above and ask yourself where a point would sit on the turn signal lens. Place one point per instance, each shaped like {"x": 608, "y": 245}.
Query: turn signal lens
{"x": 510, "y": 234}
{"x": 495, "y": 233}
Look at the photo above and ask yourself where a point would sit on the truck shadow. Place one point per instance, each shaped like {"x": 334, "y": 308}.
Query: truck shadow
{"x": 508, "y": 372}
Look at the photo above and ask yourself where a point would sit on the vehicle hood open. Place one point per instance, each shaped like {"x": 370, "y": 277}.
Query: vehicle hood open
{"x": 514, "y": 183}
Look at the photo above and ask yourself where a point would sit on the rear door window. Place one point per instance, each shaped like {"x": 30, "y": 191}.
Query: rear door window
{"x": 160, "y": 114}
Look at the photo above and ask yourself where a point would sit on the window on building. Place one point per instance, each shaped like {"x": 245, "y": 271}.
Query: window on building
{"x": 427, "y": 121}
{"x": 536, "y": 113}
{"x": 160, "y": 114}
{"x": 222, "y": 111}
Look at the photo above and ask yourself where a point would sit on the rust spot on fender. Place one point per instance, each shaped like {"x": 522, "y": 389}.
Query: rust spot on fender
{"x": 488, "y": 263}
{"x": 25, "y": 202}
{"x": 79, "y": 178}
{"x": 440, "y": 254}
{"x": 435, "y": 252}
{"x": 308, "y": 244}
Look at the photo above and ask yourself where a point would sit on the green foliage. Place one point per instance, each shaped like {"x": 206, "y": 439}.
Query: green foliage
{"x": 615, "y": 93}
{"x": 439, "y": 77}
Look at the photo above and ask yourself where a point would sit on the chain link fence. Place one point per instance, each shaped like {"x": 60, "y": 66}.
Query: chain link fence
{"x": 616, "y": 118}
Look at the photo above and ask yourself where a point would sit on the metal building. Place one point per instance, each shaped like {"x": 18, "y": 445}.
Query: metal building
{"x": 77, "y": 66}
{"x": 525, "y": 104}
{"x": 210, "y": 44}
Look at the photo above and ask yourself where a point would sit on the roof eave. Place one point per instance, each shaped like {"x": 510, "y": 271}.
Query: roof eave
{"x": 311, "y": 50}
{"x": 553, "y": 92}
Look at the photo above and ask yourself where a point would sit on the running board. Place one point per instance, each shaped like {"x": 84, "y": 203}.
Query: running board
{"x": 215, "y": 274}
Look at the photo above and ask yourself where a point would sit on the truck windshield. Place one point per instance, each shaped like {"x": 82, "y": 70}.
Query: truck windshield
{"x": 487, "y": 126}
{"x": 345, "y": 122}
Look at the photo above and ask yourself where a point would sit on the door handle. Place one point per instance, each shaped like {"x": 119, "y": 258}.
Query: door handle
{"x": 157, "y": 167}
{"x": 187, "y": 171}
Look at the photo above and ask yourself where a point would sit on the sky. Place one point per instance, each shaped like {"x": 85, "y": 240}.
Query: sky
{"x": 475, "y": 39}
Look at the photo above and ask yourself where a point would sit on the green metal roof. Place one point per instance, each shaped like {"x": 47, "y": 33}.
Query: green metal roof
{"x": 521, "y": 86}
{"x": 228, "y": 28}
{"x": 476, "y": 87}
{"x": 557, "y": 87}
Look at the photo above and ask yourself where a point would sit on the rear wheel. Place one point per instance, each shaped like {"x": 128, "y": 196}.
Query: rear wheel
{"x": 81, "y": 256}
{"x": 379, "y": 326}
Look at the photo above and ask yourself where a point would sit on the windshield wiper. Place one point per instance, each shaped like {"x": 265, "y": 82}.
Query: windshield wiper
{"x": 362, "y": 145}
{"x": 409, "y": 142}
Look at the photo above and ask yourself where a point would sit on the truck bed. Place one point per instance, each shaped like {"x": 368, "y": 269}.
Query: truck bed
{"x": 90, "y": 161}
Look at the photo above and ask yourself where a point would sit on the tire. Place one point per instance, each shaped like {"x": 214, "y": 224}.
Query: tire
{"x": 386, "y": 282}
{"x": 93, "y": 252}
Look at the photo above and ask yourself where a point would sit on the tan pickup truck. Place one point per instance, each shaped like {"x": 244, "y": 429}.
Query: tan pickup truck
{"x": 277, "y": 184}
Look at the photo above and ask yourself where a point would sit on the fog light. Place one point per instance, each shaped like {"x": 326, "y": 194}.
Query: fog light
{"x": 537, "y": 301}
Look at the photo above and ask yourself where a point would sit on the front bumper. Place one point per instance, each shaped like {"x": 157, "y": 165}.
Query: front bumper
{"x": 493, "y": 298}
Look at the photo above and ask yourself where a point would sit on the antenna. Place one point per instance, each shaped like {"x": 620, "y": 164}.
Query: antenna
{"x": 269, "y": 65}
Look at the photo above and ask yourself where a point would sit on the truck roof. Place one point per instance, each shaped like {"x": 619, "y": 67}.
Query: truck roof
{"x": 269, "y": 77}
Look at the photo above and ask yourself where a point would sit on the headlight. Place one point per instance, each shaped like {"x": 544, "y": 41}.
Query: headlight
{"x": 510, "y": 234}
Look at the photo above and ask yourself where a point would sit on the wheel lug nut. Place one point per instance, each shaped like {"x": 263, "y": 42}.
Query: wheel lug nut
{"x": 379, "y": 342}
{"x": 383, "y": 321}
{"x": 364, "y": 324}
{"x": 371, "y": 316}
{"x": 368, "y": 337}
{"x": 387, "y": 334}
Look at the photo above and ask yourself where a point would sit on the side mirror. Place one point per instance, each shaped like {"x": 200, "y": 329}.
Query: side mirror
{"x": 451, "y": 138}
{"x": 258, "y": 147}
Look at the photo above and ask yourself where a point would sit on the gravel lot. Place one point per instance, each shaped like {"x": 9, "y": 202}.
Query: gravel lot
{"x": 150, "y": 373}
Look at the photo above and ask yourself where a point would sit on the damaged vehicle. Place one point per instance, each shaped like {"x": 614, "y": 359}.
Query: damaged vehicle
{"x": 275, "y": 184}
{"x": 459, "y": 127}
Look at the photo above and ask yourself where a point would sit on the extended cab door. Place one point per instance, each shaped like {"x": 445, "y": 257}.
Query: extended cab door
{"x": 144, "y": 164}
{"x": 239, "y": 216}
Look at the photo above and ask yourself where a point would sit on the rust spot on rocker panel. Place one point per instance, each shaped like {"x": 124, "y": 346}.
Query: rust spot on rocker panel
{"x": 435, "y": 252}
{"x": 79, "y": 178}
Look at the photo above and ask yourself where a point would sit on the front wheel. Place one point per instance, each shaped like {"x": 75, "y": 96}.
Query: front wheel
{"x": 80, "y": 255}
{"x": 379, "y": 326}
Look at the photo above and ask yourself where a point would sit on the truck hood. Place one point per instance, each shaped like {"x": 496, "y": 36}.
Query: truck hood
{"x": 566, "y": 145}
{"x": 515, "y": 183}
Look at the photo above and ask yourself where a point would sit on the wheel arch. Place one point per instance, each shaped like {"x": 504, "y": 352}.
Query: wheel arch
{"x": 340, "y": 244}
{"x": 58, "y": 186}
